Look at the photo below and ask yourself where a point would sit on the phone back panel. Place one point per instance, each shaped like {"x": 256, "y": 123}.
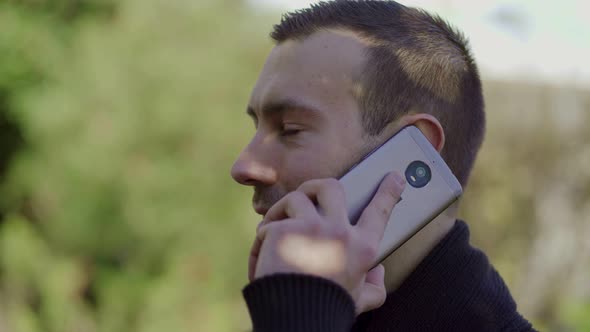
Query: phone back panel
{"x": 418, "y": 206}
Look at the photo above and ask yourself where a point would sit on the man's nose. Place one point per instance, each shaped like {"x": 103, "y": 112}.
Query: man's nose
{"x": 252, "y": 170}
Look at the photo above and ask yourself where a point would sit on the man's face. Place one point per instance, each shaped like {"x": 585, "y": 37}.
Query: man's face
{"x": 306, "y": 116}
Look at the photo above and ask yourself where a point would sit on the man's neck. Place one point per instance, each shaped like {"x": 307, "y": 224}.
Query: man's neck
{"x": 406, "y": 258}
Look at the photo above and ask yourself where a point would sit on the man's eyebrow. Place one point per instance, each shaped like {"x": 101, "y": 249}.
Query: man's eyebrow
{"x": 282, "y": 106}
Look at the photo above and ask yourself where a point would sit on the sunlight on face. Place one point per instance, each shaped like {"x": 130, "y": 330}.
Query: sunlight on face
{"x": 320, "y": 257}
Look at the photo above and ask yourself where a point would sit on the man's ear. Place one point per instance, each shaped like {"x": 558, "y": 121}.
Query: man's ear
{"x": 428, "y": 125}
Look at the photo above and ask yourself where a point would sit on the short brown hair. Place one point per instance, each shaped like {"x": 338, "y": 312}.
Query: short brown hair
{"x": 416, "y": 63}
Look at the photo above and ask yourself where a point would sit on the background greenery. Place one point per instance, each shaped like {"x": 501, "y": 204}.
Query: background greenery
{"x": 119, "y": 122}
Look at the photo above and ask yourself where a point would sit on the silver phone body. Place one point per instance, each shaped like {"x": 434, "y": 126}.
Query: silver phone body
{"x": 418, "y": 206}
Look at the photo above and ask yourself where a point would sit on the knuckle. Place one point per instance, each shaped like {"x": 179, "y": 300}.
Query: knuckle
{"x": 314, "y": 226}
{"x": 368, "y": 253}
{"x": 297, "y": 196}
{"x": 384, "y": 211}
{"x": 342, "y": 234}
{"x": 392, "y": 192}
{"x": 285, "y": 229}
{"x": 276, "y": 229}
{"x": 381, "y": 208}
{"x": 334, "y": 185}
{"x": 308, "y": 183}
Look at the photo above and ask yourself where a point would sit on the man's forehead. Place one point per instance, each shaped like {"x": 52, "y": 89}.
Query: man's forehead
{"x": 327, "y": 64}
{"x": 325, "y": 51}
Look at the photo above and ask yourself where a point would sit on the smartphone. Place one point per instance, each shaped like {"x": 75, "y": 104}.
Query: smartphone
{"x": 431, "y": 186}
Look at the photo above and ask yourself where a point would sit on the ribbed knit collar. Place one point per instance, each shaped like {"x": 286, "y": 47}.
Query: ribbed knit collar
{"x": 453, "y": 289}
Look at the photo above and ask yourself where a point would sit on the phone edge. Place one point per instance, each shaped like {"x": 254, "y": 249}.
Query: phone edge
{"x": 436, "y": 160}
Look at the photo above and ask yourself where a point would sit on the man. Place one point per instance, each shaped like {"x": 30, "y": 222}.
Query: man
{"x": 343, "y": 77}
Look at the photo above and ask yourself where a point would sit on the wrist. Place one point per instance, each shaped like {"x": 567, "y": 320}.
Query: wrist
{"x": 298, "y": 302}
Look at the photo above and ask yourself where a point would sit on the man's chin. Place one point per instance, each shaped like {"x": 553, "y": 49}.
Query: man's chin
{"x": 260, "y": 209}
{"x": 262, "y": 201}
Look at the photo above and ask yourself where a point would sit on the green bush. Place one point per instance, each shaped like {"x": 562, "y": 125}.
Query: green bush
{"x": 122, "y": 212}
{"x": 118, "y": 212}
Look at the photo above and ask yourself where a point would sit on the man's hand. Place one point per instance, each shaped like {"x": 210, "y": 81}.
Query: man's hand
{"x": 295, "y": 238}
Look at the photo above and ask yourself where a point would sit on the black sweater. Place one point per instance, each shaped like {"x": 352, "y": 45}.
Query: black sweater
{"x": 453, "y": 289}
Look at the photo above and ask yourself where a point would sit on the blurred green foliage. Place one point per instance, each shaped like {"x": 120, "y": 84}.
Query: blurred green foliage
{"x": 120, "y": 213}
{"x": 119, "y": 123}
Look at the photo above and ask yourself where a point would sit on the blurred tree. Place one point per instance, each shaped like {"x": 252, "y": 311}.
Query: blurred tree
{"x": 529, "y": 201}
{"x": 65, "y": 10}
{"x": 25, "y": 25}
{"x": 120, "y": 214}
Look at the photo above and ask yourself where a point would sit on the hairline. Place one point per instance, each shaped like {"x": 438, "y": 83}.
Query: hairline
{"x": 370, "y": 44}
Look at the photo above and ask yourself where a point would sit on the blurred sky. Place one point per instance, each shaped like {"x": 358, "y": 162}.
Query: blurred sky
{"x": 538, "y": 40}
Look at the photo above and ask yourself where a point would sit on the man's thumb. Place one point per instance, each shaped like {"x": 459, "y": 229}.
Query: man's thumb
{"x": 373, "y": 291}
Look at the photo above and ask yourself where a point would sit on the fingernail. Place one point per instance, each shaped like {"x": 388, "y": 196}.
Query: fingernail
{"x": 399, "y": 179}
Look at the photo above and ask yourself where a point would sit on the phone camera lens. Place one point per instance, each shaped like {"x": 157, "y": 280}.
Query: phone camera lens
{"x": 418, "y": 174}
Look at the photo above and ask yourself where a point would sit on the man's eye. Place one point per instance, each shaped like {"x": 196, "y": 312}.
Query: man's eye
{"x": 290, "y": 131}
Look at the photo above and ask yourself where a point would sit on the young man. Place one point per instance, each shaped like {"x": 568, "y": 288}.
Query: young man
{"x": 343, "y": 77}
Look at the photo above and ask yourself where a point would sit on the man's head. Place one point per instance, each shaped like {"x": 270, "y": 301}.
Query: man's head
{"x": 346, "y": 75}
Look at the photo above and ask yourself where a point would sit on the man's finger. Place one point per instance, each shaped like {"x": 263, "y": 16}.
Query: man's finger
{"x": 293, "y": 205}
{"x": 376, "y": 276}
{"x": 373, "y": 292}
{"x": 374, "y": 218}
{"x": 254, "y": 252}
{"x": 261, "y": 235}
{"x": 253, "y": 258}
{"x": 330, "y": 197}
